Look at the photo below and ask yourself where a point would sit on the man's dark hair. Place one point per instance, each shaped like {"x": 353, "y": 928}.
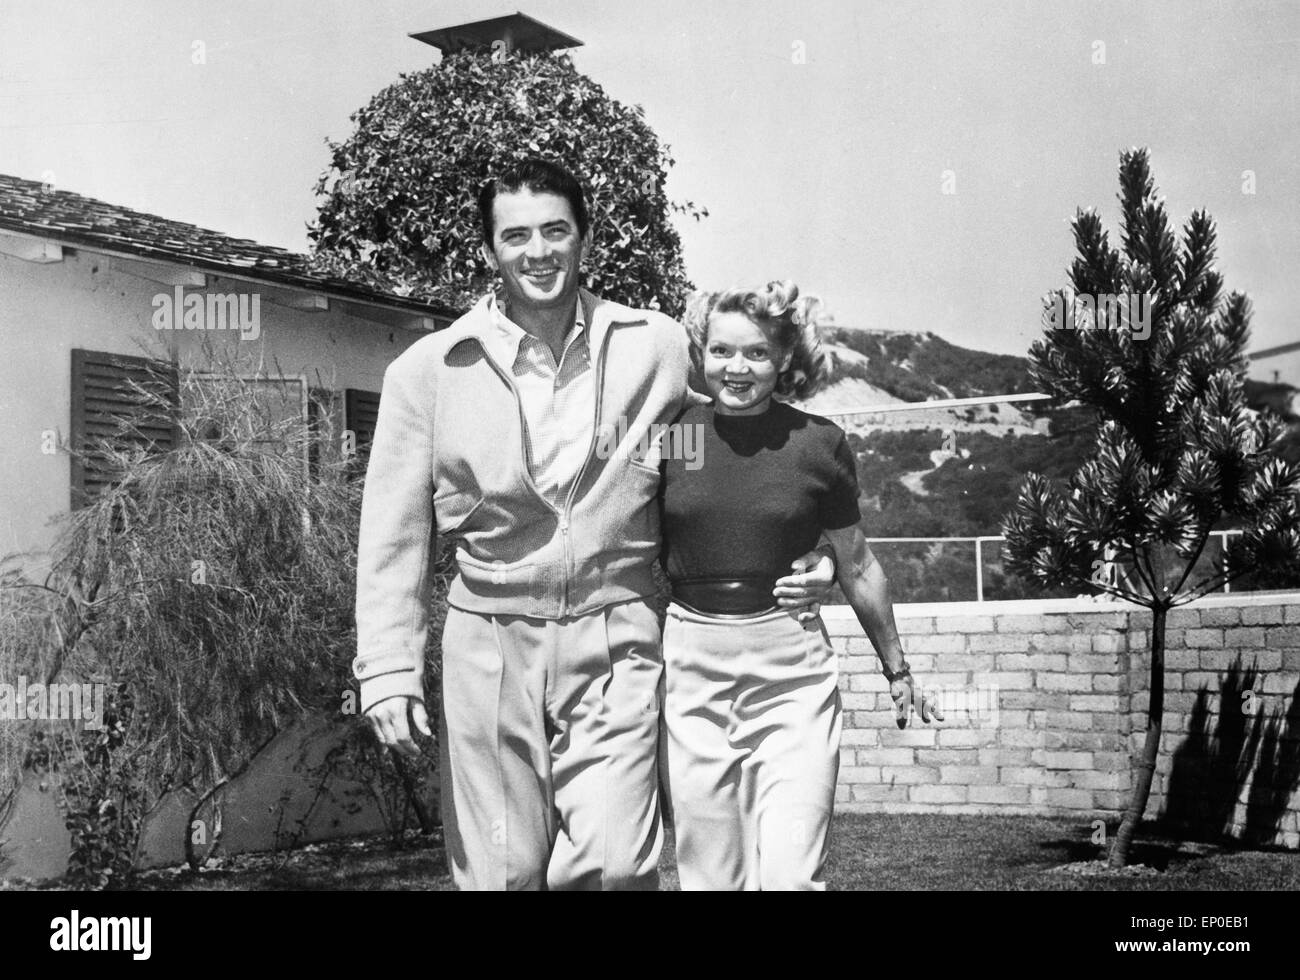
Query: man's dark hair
{"x": 539, "y": 176}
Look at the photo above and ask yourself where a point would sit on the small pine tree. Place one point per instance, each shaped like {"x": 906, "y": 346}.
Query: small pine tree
{"x": 1178, "y": 453}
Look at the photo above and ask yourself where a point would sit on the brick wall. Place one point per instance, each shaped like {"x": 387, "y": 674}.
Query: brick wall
{"x": 1045, "y": 711}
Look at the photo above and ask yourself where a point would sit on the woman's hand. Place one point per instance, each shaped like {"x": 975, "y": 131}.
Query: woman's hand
{"x": 808, "y": 587}
{"x": 904, "y": 691}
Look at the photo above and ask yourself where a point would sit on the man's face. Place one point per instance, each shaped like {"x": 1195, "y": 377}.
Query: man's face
{"x": 536, "y": 248}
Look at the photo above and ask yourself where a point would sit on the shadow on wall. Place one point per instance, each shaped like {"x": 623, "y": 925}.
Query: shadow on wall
{"x": 1250, "y": 744}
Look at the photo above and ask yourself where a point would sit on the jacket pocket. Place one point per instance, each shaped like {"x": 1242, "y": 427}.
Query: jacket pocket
{"x": 651, "y": 471}
{"x": 494, "y": 577}
{"x": 648, "y": 469}
{"x": 647, "y": 452}
{"x": 453, "y": 511}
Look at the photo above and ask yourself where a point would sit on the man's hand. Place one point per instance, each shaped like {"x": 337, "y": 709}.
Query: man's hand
{"x": 808, "y": 587}
{"x": 904, "y": 692}
{"x": 388, "y": 720}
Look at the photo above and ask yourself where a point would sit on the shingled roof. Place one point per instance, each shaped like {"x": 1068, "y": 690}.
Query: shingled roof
{"x": 28, "y": 206}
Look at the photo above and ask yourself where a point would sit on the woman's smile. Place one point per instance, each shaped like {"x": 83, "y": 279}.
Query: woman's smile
{"x": 741, "y": 364}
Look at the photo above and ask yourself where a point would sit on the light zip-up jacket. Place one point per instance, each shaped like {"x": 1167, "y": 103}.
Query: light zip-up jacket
{"x": 449, "y": 459}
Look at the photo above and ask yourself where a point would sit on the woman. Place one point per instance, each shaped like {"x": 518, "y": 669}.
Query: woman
{"x": 752, "y": 707}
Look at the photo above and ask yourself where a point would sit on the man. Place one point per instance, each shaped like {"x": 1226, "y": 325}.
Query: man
{"x": 487, "y": 435}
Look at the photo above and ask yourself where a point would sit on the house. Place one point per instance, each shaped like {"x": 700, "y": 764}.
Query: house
{"x": 95, "y": 296}
{"x": 92, "y": 295}
{"x": 1277, "y": 373}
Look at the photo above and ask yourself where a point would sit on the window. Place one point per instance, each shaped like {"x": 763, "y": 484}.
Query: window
{"x": 123, "y": 402}
{"x": 269, "y": 407}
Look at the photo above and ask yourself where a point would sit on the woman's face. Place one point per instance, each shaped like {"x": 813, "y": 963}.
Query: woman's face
{"x": 741, "y": 364}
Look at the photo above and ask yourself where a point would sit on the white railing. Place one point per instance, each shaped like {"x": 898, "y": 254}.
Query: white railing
{"x": 936, "y": 403}
{"x": 865, "y": 411}
{"x": 979, "y": 552}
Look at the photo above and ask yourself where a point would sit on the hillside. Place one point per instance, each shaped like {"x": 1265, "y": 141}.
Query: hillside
{"x": 932, "y": 472}
{"x": 919, "y": 366}
{"x": 875, "y": 368}
{"x": 910, "y": 461}
{"x": 947, "y": 472}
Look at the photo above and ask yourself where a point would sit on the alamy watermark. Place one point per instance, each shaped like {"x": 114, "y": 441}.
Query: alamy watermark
{"x": 1067, "y": 310}
{"x": 98, "y": 933}
{"x": 674, "y": 440}
{"x": 210, "y": 311}
{"x": 52, "y": 702}
{"x": 975, "y": 706}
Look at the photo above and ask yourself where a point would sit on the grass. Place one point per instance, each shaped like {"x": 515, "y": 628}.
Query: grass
{"x": 869, "y": 852}
{"x": 889, "y": 852}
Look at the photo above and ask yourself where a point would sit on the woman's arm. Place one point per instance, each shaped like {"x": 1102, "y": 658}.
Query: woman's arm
{"x": 867, "y": 590}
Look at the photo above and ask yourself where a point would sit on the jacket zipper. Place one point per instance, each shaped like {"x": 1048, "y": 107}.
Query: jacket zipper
{"x": 577, "y": 480}
{"x": 523, "y": 454}
{"x": 523, "y": 427}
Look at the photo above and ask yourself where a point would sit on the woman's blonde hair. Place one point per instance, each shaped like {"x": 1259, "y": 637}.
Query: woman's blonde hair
{"x": 795, "y": 320}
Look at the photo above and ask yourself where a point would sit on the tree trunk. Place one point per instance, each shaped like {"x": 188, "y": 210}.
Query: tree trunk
{"x": 1151, "y": 747}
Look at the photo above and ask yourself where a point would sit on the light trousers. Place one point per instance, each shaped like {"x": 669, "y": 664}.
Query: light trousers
{"x": 752, "y": 714}
{"x": 548, "y": 743}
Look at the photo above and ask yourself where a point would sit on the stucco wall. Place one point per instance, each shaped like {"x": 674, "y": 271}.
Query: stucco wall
{"x": 89, "y": 301}
{"x": 290, "y": 794}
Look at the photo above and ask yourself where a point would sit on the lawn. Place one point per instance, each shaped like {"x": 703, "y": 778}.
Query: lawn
{"x": 870, "y": 852}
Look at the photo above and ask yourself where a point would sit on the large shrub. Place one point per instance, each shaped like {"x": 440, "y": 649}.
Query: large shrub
{"x": 211, "y": 588}
{"x": 399, "y": 196}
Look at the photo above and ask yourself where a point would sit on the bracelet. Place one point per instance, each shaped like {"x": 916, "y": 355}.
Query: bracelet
{"x": 893, "y": 675}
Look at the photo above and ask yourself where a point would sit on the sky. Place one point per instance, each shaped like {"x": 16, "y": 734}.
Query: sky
{"x": 914, "y": 163}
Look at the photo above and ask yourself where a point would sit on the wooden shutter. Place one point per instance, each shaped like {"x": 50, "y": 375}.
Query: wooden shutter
{"x": 106, "y": 408}
{"x": 361, "y": 413}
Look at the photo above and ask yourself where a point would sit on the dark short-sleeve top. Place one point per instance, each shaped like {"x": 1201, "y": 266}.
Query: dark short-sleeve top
{"x": 757, "y": 495}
